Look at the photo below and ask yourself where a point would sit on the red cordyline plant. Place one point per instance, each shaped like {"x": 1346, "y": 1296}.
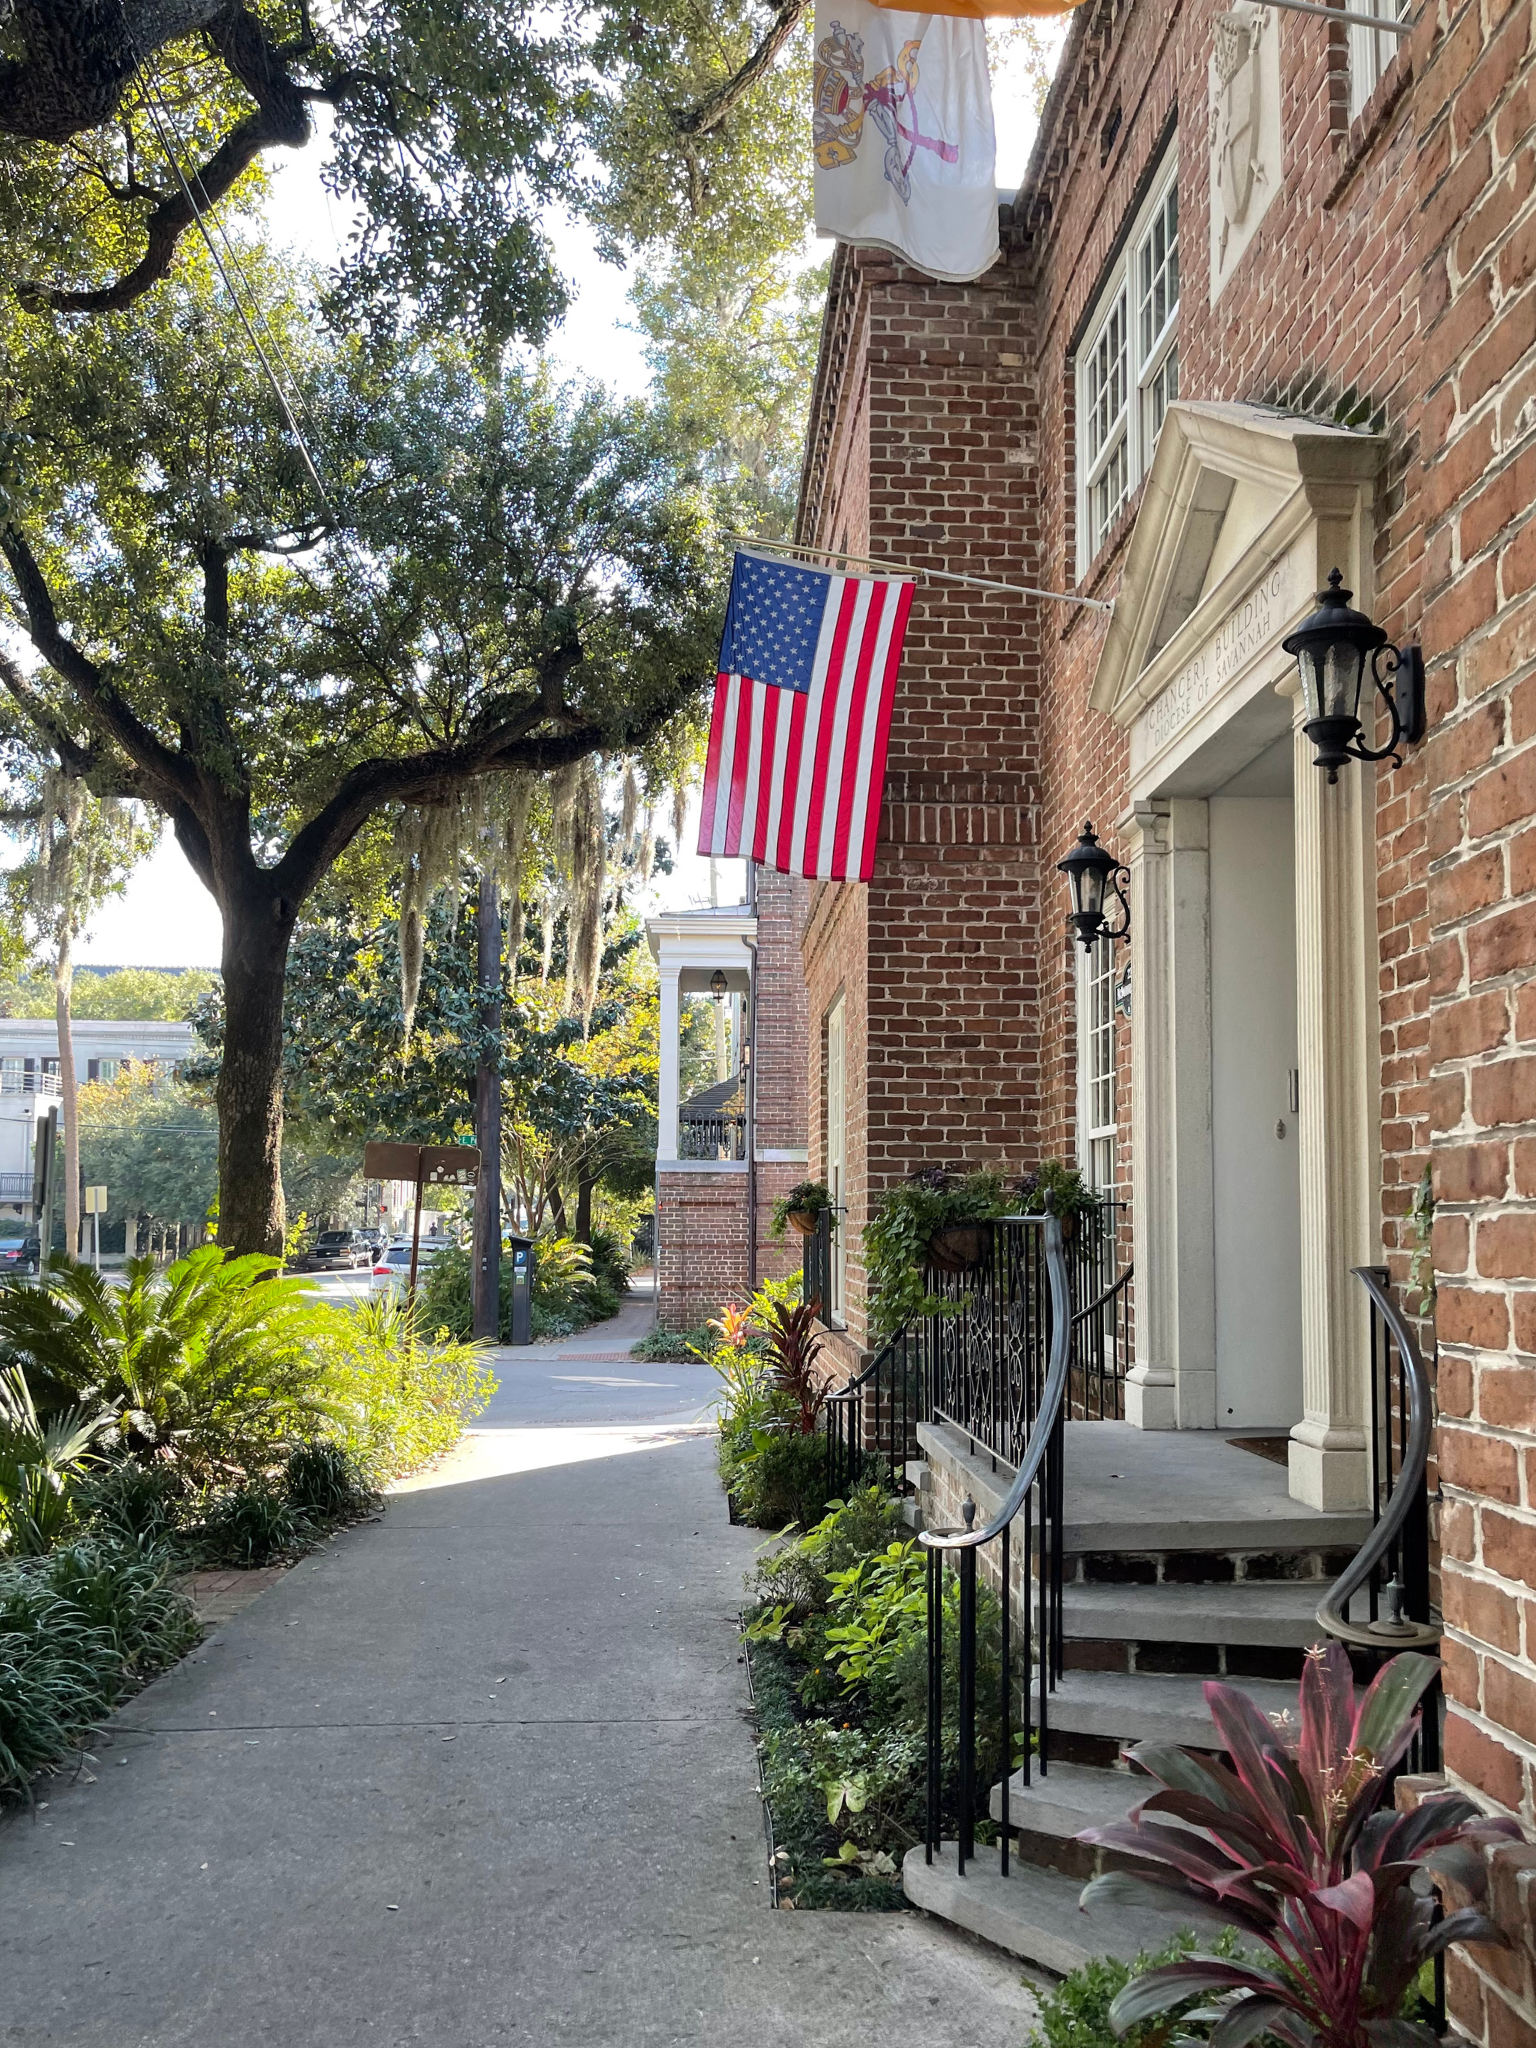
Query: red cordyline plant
{"x": 793, "y": 1347}
{"x": 1294, "y": 1849}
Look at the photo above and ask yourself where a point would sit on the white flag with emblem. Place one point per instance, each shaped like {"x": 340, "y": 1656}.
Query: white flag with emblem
{"x": 906, "y": 158}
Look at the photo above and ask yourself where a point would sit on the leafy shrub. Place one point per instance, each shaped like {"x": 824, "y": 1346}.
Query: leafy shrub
{"x": 135, "y": 1501}
{"x": 569, "y": 1292}
{"x": 612, "y": 1261}
{"x": 781, "y": 1479}
{"x": 673, "y": 1347}
{"x": 77, "y": 1631}
{"x": 325, "y": 1483}
{"x": 251, "y": 1525}
{"x": 1075, "y": 2014}
{"x": 397, "y": 1400}
{"x": 213, "y": 1360}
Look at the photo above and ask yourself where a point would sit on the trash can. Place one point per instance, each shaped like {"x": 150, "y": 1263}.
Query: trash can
{"x": 521, "y": 1254}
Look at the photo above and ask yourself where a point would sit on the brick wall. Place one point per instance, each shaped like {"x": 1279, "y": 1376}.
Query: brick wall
{"x": 925, "y": 423}
{"x": 1476, "y": 173}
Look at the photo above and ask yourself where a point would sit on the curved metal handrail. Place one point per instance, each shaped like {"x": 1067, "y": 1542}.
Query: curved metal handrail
{"x": 1391, "y": 1632}
{"x": 1116, "y": 1286}
{"x": 851, "y": 1387}
{"x": 1052, "y": 1396}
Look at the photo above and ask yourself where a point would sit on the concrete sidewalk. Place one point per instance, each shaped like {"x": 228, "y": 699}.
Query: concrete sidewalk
{"x": 479, "y": 1773}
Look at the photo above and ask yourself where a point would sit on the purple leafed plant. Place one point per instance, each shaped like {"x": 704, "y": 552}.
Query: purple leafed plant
{"x": 1292, "y": 1846}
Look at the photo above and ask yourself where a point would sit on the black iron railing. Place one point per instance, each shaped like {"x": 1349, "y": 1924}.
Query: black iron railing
{"x": 1102, "y": 1352}
{"x": 711, "y": 1137}
{"x": 816, "y": 1267}
{"x": 1029, "y": 1259}
{"x": 1389, "y": 1576}
{"x": 871, "y": 1424}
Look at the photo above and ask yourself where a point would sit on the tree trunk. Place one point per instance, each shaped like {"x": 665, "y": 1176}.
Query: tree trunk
{"x": 250, "y": 1092}
{"x": 557, "y": 1209}
{"x": 584, "y": 1188}
{"x": 69, "y": 1092}
{"x": 487, "y": 1272}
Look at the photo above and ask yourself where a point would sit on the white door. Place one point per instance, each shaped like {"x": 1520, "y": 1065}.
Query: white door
{"x": 837, "y": 1153}
{"x": 1254, "y": 1083}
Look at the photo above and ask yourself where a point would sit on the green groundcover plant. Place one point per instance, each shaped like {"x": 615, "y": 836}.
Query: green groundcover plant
{"x": 79, "y": 1631}
{"x": 837, "y": 1635}
{"x": 1293, "y": 1844}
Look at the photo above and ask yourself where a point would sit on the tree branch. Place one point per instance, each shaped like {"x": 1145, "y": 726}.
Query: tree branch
{"x": 710, "y": 112}
{"x": 281, "y": 120}
{"x": 168, "y": 780}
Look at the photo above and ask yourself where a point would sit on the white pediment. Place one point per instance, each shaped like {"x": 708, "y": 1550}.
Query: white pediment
{"x": 1244, "y": 512}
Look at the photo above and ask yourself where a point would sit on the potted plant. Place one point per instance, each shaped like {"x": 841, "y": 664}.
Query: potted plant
{"x": 804, "y": 1206}
{"x": 1071, "y": 1196}
{"x": 937, "y": 1220}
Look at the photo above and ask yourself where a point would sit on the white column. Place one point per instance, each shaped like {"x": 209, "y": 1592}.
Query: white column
{"x": 1173, "y": 1382}
{"x": 1336, "y": 1002}
{"x": 667, "y": 1075}
{"x": 1149, "y": 1385}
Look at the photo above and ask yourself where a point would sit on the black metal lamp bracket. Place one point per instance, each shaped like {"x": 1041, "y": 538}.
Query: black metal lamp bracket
{"x": 1398, "y": 673}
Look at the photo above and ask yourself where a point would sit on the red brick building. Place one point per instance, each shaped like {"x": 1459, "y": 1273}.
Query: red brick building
{"x": 1266, "y": 308}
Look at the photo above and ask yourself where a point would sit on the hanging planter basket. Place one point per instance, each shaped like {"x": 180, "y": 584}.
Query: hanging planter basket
{"x": 805, "y": 1220}
{"x": 958, "y": 1247}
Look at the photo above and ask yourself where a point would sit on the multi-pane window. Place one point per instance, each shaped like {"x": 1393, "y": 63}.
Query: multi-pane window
{"x": 1128, "y": 366}
{"x": 1371, "y": 50}
{"x": 1096, "y": 1065}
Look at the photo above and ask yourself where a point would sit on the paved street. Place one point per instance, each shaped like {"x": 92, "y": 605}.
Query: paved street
{"x": 477, "y": 1773}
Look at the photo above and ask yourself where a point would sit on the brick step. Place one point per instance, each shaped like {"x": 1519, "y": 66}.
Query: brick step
{"x": 1034, "y": 1913}
{"x": 1145, "y": 1707}
{"x": 1274, "y": 1614}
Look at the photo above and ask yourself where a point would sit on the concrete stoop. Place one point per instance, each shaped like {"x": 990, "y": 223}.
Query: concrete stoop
{"x": 1032, "y": 1913}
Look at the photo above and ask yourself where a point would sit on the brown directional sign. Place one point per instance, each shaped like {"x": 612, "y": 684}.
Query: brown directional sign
{"x": 437, "y": 1166}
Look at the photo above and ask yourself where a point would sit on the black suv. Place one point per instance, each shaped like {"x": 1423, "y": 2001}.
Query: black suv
{"x": 335, "y": 1251}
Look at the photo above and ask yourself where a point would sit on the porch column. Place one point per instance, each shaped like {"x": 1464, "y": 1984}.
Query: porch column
{"x": 667, "y": 1076}
{"x": 1172, "y": 1385}
{"x": 1336, "y": 1000}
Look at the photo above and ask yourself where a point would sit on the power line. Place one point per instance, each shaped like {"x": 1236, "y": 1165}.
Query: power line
{"x": 155, "y": 106}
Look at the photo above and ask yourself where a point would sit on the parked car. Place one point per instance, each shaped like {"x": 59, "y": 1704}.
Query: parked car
{"x": 20, "y": 1255}
{"x": 335, "y": 1251}
{"x": 392, "y": 1268}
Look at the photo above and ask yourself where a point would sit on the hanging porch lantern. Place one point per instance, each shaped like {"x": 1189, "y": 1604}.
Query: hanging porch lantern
{"x": 1092, "y": 874}
{"x": 718, "y": 985}
{"x": 1332, "y": 648}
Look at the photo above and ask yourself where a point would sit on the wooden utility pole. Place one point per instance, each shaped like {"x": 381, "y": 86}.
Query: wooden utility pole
{"x": 487, "y": 1254}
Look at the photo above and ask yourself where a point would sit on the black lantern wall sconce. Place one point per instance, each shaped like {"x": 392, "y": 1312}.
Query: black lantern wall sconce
{"x": 1092, "y": 874}
{"x": 1332, "y": 648}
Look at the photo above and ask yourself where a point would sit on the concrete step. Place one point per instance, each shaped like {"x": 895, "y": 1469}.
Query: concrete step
{"x": 1033, "y": 1913}
{"x": 1277, "y": 1614}
{"x": 1069, "y": 1798}
{"x": 1137, "y": 1707}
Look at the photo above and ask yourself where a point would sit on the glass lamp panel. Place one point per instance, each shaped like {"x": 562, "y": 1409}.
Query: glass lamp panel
{"x": 1088, "y": 888}
{"x": 1342, "y": 667}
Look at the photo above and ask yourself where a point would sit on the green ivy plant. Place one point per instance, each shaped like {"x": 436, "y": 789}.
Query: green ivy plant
{"x": 1421, "y": 1267}
{"x": 896, "y": 1237}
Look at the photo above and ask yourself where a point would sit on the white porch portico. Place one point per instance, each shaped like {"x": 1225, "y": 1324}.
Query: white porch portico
{"x": 690, "y": 947}
{"x": 1252, "y": 944}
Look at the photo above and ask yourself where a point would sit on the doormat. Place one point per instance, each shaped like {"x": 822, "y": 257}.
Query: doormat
{"x": 1275, "y": 1448}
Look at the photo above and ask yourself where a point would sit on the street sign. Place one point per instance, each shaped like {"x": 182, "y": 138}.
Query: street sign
{"x": 437, "y": 1166}
{"x": 95, "y": 1201}
{"x": 427, "y": 1166}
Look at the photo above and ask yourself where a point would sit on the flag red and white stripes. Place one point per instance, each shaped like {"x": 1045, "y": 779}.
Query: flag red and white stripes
{"x": 802, "y": 712}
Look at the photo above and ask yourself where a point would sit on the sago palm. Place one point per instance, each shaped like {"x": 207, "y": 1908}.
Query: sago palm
{"x": 39, "y": 1465}
{"x": 214, "y": 1360}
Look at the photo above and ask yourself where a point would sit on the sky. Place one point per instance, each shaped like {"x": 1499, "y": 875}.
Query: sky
{"x": 166, "y": 918}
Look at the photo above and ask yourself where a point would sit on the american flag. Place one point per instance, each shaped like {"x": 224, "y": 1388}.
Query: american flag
{"x": 802, "y": 714}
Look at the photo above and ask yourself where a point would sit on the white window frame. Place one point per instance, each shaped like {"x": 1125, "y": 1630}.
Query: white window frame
{"x": 1371, "y": 50}
{"x": 1114, "y": 451}
{"x": 1097, "y": 1107}
{"x": 837, "y": 1157}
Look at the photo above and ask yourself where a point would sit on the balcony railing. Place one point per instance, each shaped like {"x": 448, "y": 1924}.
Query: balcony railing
{"x": 15, "y": 1187}
{"x": 711, "y": 1137}
{"x": 14, "y": 1081}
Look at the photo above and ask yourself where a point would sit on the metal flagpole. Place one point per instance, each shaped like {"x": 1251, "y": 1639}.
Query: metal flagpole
{"x": 790, "y": 547}
{"x": 1391, "y": 27}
